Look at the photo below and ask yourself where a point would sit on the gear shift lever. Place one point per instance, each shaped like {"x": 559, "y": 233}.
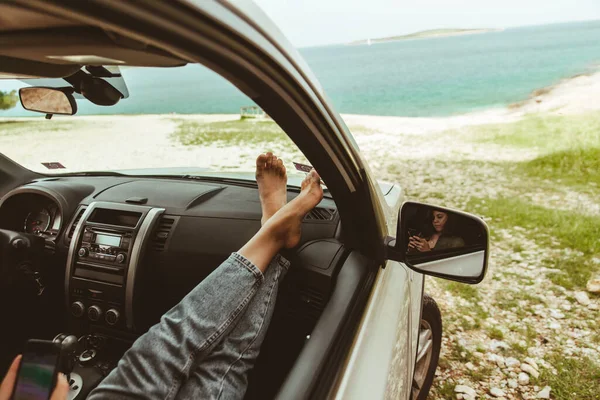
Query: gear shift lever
{"x": 68, "y": 344}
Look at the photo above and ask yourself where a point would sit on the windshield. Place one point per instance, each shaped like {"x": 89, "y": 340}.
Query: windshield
{"x": 183, "y": 120}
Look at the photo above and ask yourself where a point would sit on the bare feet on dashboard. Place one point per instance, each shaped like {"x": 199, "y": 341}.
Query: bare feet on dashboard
{"x": 286, "y": 223}
{"x": 272, "y": 184}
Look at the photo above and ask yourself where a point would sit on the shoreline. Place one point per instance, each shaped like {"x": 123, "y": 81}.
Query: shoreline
{"x": 573, "y": 95}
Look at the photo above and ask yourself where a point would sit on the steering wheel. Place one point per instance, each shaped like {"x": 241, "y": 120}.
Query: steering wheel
{"x": 20, "y": 254}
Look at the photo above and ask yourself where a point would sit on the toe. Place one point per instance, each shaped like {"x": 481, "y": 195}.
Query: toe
{"x": 269, "y": 162}
{"x": 260, "y": 162}
{"x": 314, "y": 176}
{"x": 280, "y": 167}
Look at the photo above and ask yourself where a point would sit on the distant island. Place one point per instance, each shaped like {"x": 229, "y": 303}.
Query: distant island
{"x": 431, "y": 33}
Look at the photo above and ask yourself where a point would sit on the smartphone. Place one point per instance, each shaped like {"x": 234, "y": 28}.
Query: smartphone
{"x": 38, "y": 371}
{"x": 413, "y": 232}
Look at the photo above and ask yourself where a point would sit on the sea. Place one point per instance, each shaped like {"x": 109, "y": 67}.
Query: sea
{"x": 429, "y": 77}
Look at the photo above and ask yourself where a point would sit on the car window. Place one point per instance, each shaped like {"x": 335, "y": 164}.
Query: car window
{"x": 182, "y": 120}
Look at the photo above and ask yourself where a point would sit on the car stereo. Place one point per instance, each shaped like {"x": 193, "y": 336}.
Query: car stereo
{"x": 106, "y": 246}
{"x": 108, "y": 243}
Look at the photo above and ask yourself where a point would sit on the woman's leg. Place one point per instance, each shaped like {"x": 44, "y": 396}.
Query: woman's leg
{"x": 224, "y": 373}
{"x": 162, "y": 359}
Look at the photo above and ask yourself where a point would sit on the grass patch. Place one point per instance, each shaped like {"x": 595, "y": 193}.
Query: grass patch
{"x": 243, "y": 132}
{"x": 481, "y": 374}
{"x": 548, "y": 133}
{"x": 576, "y": 271}
{"x": 569, "y": 145}
{"x": 460, "y": 353}
{"x": 13, "y": 127}
{"x": 575, "y": 166}
{"x": 467, "y": 292}
{"x": 519, "y": 350}
{"x": 495, "y": 333}
{"x": 445, "y": 390}
{"x": 572, "y": 230}
{"x": 576, "y": 378}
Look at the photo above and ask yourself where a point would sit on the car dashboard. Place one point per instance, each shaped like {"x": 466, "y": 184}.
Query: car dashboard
{"x": 124, "y": 250}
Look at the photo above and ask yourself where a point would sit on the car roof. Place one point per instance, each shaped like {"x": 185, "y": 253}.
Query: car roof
{"x": 39, "y": 44}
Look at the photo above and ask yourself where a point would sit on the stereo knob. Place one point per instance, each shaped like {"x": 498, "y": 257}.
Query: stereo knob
{"x": 94, "y": 313}
{"x": 77, "y": 309}
{"x": 120, "y": 258}
{"x": 112, "y": 316}
{"x": 83, "y": 252}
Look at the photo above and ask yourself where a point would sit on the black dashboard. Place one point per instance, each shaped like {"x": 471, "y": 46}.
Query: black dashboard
{"x": 129, "y": 248}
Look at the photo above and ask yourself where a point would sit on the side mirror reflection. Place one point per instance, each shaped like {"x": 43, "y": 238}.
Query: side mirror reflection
{"x": 442, "y": 242}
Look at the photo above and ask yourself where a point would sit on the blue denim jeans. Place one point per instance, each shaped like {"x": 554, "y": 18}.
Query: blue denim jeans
{"x": 205, "y": 346}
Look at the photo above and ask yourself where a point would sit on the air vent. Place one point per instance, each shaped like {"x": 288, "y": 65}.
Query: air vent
{"x": 321, "y": 214}
{"x": 49, "y": 246}
{"x": 162, "y": 233}
{"x": 74, "y": 223}
{"x": 308, "y": 304}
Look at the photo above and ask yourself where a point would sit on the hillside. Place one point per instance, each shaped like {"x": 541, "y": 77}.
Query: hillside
{"x": 431, "y": 33}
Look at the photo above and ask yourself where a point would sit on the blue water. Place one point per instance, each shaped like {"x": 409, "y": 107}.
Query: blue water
{"x": 417, "y": 78}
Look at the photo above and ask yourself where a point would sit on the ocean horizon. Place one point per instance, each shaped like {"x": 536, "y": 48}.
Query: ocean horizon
{"x": 427, "y": 77}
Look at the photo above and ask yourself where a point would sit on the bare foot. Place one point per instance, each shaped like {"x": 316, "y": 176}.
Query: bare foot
{"x": 286, "y": 223}
{"x": 272, "y": 184}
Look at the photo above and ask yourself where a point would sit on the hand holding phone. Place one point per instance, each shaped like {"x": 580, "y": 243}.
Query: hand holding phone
{"x": 34, "y": 376}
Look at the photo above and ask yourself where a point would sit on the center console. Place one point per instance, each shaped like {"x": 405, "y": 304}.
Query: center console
{"x": 106, "y": 248}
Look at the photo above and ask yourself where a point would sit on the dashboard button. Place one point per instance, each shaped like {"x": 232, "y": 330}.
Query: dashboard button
{"x": 121, "y": 258}
{"x": 77, "y": 309}
{"x": 83, "y": 252}
{"x": 112, "y": 316}
{"x": 94, "y": 313}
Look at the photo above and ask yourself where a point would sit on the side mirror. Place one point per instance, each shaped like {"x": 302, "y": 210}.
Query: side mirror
{"x": 48, "y": 100}
{"x": 441, "y": 242}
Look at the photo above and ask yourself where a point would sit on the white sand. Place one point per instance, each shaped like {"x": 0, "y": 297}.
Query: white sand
{"x": 144, "y": 141}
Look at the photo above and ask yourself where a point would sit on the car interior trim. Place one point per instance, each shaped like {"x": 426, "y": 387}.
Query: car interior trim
{"x": 73, "y": 250}
{"x": 139, "y": 246}
{"x": 304, "y": 378}
{"x": 55, "y": 197}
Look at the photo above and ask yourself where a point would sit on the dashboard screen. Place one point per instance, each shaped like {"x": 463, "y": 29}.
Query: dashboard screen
{"x": 108, "y": 240}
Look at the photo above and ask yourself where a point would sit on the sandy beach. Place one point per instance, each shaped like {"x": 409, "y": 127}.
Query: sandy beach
{"x": 124, "y": 142}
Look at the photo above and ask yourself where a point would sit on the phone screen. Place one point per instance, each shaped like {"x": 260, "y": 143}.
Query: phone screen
{"x": 37, "y": 371}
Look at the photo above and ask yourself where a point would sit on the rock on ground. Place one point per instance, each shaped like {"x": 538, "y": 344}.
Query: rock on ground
{"x": 544, "y": 393}
{"x": 593, "y": 285}
{"x": 466, "y": 390}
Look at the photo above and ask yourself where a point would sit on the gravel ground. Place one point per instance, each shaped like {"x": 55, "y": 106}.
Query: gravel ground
{"x": 496, "y": 343}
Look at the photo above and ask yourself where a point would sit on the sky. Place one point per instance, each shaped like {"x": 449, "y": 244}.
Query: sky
{"x": 319, "y": 22}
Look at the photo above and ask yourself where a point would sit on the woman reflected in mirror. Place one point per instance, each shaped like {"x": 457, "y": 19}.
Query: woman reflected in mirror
{"x": 437, "y": 234}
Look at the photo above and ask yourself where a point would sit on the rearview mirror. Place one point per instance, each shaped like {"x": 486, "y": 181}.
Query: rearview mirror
{"x": 442, "y": 242}
{"x": 48, "y": 100}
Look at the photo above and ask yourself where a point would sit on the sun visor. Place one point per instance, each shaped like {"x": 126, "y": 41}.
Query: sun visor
{"x": 81, "y": 46}
{"x": 14, "y": 68}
